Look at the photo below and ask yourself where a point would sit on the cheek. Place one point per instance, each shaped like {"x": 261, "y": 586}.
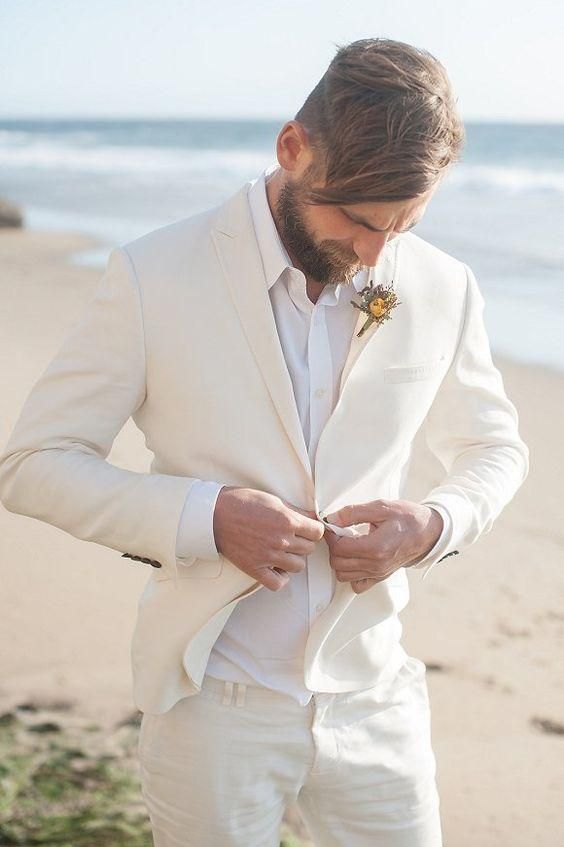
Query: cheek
{"x": 330, "y": 226}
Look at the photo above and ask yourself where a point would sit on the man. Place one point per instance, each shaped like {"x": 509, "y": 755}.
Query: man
{"x": 266, "y": 655}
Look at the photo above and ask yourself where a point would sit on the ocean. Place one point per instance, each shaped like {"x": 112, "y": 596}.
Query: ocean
{"x": 500, "y": 209}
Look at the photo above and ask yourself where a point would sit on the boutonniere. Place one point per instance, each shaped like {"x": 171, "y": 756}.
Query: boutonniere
{"x": 377, "y": 301}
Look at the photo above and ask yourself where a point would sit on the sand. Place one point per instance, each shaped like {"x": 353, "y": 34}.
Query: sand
{"x": 489, "y": 623}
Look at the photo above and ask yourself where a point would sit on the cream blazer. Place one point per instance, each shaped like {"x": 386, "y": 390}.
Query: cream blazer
{"x": 180, "y": 336}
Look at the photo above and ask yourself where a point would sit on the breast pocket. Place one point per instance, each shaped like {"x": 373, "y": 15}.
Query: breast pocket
{"x": 414, "y": 372}
{"x": 201, "y": 569}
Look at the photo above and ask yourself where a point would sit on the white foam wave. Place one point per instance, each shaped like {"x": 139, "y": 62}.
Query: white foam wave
{"x": 49, "y": 155}
{"x": 22, "y": 150}
{"x": 511, "y": 178}
{"x": 10, "y": 138}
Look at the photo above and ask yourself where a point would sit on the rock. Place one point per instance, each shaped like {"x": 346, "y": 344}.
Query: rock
{"x": 10, "y": 215}
{"x": 548, "y": 725}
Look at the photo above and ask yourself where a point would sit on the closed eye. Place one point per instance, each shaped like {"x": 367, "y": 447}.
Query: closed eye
{"x": 371, "y": 228}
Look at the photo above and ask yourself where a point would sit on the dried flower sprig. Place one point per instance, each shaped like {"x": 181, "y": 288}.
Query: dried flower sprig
{"x": 377, "y": 301}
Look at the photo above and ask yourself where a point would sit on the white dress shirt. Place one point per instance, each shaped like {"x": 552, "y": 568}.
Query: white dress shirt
{"x": 264, "y": 639}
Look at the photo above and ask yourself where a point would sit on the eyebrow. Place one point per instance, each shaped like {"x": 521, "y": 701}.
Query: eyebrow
{"x": 360, "y": 220}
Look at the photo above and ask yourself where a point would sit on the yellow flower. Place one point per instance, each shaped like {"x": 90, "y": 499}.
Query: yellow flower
{"x": 378, "y": 307}
{"x": 376, "y": 301}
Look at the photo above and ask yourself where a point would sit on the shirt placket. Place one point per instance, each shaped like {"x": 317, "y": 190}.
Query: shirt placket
{"x": 320, "y": 367}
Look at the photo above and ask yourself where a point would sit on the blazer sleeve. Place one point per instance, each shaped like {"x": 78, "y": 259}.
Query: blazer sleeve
{"x": 472, "y": 428}
{"x": 54, "y": 465}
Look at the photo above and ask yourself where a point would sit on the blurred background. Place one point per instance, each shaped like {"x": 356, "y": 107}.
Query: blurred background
{"x": 117, "y": 118}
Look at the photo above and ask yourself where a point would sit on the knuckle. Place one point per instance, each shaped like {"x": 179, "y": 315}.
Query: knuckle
{"x": 286, "y": 523}
{"x": 282, "y": 517}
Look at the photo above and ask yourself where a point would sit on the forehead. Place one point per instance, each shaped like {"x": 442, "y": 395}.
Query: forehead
{"x": 392, "y": 209}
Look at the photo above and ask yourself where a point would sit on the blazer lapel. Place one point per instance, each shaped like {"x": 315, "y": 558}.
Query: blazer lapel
{"x": 239, "y": 256}
{"x": 384, "y": 272}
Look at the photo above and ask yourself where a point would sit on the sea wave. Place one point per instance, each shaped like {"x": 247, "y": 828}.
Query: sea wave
{"x": 511, "y": 178}
{"x": 51, "y": 155}
{"x": 23, "y": 151}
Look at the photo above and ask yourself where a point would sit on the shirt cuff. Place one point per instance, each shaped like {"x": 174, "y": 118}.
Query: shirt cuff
{"x": 442, "y": 544}
{"x": 195, "y": 538}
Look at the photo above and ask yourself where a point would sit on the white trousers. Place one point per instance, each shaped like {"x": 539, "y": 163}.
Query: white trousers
{"x": 219, "y": 768}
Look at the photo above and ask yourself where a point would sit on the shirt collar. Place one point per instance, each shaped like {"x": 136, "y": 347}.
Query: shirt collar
{"x": 274, "y": 255}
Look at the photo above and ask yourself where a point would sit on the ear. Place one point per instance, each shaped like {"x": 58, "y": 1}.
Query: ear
{"x": 293, "y": 148}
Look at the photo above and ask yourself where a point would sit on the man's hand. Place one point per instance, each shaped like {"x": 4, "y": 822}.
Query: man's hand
{"x": 400, "y": 532}
{"x": 263, "y": 535}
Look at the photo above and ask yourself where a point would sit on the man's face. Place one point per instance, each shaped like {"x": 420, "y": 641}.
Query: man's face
{"x": 332, "y": 243}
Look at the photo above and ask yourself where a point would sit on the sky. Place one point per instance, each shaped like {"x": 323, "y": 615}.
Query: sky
{"x": 260, "y": 58}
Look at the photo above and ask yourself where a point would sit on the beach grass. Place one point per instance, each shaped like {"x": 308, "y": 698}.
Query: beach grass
{"x": 71, "y": 783}
{"x": 68, "y": 784}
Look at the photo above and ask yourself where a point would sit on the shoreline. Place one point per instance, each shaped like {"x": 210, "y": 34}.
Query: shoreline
{"x": 75, "y": 243}
{"x": 489, "y": 624}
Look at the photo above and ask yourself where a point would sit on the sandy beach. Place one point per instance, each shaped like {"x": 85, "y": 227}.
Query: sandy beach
{"x": 489, "y": 623}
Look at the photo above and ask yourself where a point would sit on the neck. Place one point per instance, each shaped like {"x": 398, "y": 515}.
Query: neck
{"x": 273, "y": 184}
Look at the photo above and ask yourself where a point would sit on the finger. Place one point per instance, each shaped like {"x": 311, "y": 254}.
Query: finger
{"x": 360, "y": 581}
{"x": 292, "y": 562}
{"x": 374, "y": 511}
{"x": 307, "y": 524}
{"x": 308, "y": 513}
{"x": 362, "y": 585}
{"x": 360, "y": 546}
{"x": 273, "y": 578}
{"x": 352, "y": 576}
{"x": 370, "y": 567}
{"x": 300, "y": 546}
{"x": 357, "y": 576}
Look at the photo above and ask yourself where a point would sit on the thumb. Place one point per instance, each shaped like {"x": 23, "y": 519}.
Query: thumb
{"x": 374, "y": 512}
{"x": 309, "y": 514}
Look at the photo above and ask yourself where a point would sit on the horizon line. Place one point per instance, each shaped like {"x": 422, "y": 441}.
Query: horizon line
{"x": 245, "y": 118}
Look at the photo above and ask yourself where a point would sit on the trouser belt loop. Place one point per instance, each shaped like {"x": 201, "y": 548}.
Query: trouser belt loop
{"x": 227, "y": 693}
{"x": 241, "y": 692}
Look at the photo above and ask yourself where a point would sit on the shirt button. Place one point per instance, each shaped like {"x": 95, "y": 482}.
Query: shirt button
{"x": 319, "y": 608}
{"x": 319, "y": 392}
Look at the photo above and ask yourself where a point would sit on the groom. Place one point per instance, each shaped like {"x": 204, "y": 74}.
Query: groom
{"x": 266, "y": 654}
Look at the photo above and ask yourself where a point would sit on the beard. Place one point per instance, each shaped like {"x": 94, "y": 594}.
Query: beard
{"x": 325, "y": 262}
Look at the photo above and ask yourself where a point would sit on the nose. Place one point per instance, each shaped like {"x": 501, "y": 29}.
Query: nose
{"x": 369, "y": 245}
